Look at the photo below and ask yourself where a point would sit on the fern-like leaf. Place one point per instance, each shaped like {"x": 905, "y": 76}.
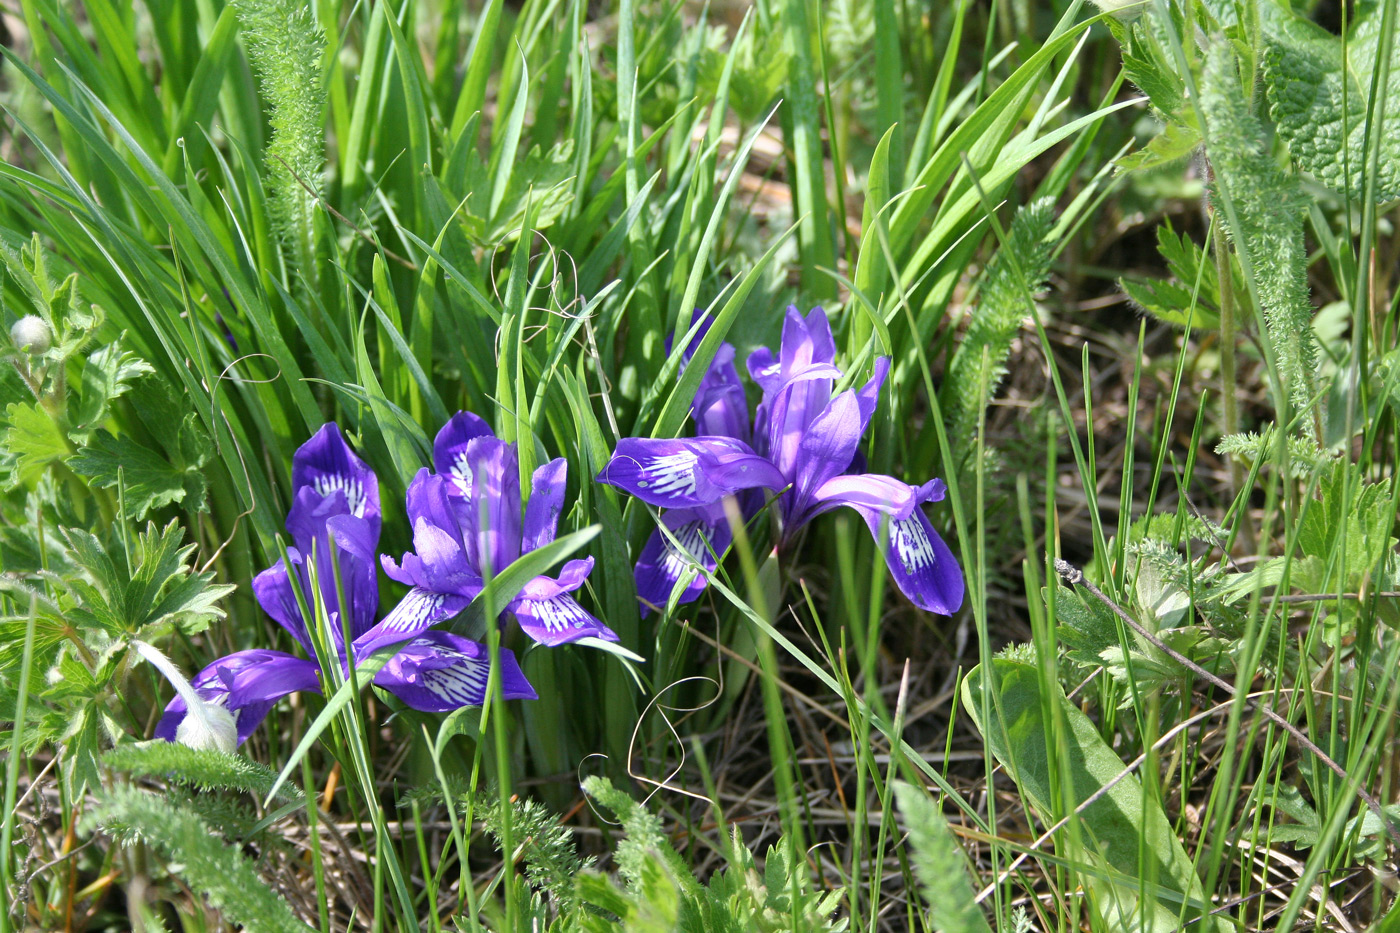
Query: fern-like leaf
{"x": 226, "y": 879}
{"x": 645, "y": 836}
{"x": 939, "y": 864}
{"x": 1268, "y": 206}
{"x": 286, "y": 45}
{"x": 1018, "y": 270}
{"x": 202, "y": 769}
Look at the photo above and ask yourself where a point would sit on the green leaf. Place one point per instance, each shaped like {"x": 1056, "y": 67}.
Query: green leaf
{"x": 82, "y": 741}
{"x": 1174, "y": 143}
{"x": 193, "y": 851}
{"x": 1014, "y": 276}
{"x": 145, "y": 479}
{"x": 1263, "y": 208}
{"x": 939, "y": 864}
{"x": 1353, "y": 515}
{"x": 161, "y": 590}
{"x": 107, "y": 374}
{"x": 1318, "y": 95}
{"x": 159, "y": 406}
{"x": 1169, "y": 303}
{"x": 1137, "y": 874}
{"x": 204, "y": 769}
{"x": 32, "y": 442}
{"x": 1145, "y": 63}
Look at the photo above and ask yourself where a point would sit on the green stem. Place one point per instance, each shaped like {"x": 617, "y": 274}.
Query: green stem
{"x": 1229, "y": 400}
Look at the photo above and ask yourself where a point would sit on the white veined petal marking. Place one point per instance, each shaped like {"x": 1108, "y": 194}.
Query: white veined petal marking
{"x": 693, "y": 548}
{"x": 560, "y": 614}
{"x": 417, "y": 607}
{"x": 909, "y": 541}
{"x": 354, "y": 490}
{"x": 673, "y": 474}
{"x": 463, "y": 684}
{"x": 461, "y": 473}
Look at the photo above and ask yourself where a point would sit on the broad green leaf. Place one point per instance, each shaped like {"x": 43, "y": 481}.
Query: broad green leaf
{"x": 144, "y": 479}
{"x": 33, "y": 441}
{"x": 1319, "y": 93}
{"x": 1137, "y": 874}
{"x": 107, "y": 374}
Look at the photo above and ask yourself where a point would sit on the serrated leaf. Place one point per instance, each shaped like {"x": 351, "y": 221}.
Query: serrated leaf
{"x": 1086, "y": 627}
{"x": 1145, "y": 65}
{"x": 159, "y": 590}
{"x": 1174, "y": 143}
{"x": 1318, "y": 96}
{"x": 145, "y": 479}
{"x": 82, "y": 740}
{"x": 107, "y": 374}
{"x": 33, "y": 441}
{"x": 159, "y": 406}
{"x": 1169, "y": 303}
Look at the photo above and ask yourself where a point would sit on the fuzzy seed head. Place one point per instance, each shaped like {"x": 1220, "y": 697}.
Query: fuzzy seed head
{"x": 209, "y": 727}
{"x": 32, "y": 335}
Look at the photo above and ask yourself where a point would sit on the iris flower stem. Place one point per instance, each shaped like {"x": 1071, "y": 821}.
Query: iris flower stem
{"x": 778, "y": 736}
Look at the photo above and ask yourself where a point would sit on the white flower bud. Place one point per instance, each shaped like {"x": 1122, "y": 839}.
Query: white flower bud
{"x": 212, "y": 727}
{"x": 206, "y": 725}
{"x": 32, "y": 335}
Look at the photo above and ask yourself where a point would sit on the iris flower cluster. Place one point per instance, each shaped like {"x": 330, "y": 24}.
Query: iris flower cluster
{"x": 467, "y": 524}
{"x": 803, "y": 445}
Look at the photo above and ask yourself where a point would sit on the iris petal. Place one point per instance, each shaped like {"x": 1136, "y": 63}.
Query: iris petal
{"x": 416, "y": 612}
{"x": 438, "y": 671}
{"x": 866, "y": 491}
{"x": 701, "y": 534}
{"x": 495, "y": 503}
{"x": 546, "y": 502}
{"x": 558, "y": 620}
{"x": 921, "y": 565}
{"x": 273, "y": 590}
{"x": 450, "y": 448}
{"x": 687, "y": 472}
{"x": 248, "y": 684}
{"x": 326, "y": 464}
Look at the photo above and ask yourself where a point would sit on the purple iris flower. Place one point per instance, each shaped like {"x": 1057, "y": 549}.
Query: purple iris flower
{"x": 337, "y": 494}
{"x": 804, "y": 444}
{"x": 467, "y": 524}
{"x": 701, "y": 531}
